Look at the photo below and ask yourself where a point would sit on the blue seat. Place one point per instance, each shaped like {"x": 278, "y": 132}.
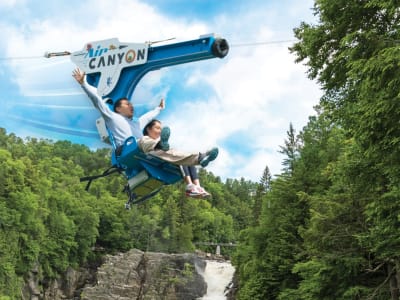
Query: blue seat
{"x": 146, "y": 173}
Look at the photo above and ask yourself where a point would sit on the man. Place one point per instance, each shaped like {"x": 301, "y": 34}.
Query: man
{"x": 122, "y": 126}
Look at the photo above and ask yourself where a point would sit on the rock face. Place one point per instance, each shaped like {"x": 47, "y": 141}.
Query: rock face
{"x": 65, "y": 287}
{"x": 147, "y": 275}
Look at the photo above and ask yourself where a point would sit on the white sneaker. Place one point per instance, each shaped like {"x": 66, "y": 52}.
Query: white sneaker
{"x": 203, "y": 192}
{"x": 193, "y": 191}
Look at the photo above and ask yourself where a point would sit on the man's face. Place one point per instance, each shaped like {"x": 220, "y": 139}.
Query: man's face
{"x": 125, "y": 108}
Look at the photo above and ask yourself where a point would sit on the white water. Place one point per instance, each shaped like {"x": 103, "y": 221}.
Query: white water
{"x": 217, "y": 275}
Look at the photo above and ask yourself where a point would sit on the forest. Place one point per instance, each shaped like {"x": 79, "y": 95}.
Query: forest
{"x": 329, "y": 224}
{"x": 49, "y": 221}
{"x": 327, "y": 227}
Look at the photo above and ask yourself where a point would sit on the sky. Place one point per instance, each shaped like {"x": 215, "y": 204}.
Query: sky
{"x": 243, "y": 103}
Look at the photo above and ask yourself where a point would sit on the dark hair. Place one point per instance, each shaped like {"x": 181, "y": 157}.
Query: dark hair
{"x": 150, "y": 125}
{"x": 118, "y": 103}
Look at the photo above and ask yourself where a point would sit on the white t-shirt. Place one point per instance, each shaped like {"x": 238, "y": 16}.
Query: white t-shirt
{"x": 121, "y": 127}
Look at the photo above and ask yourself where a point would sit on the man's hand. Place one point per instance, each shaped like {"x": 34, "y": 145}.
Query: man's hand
{"x": 79, "y": 75}
{"x": 162, "y": 104}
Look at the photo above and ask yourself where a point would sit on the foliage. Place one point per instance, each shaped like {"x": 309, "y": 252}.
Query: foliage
{"x": 326, "y": 228}
{"x": 48, "y": 221}
{"x": 329, "y": 223}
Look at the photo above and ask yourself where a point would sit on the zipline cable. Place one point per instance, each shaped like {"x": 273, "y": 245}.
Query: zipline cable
{"x": 20, "y": 57}
{"x": 263, "y": 43}
{"x": 65, "y": 53}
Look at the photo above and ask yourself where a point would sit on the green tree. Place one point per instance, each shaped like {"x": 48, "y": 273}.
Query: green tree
{"x": 290, "y": 149}
{"x": 262, "y": 188}
{"x": 353, "y": 52}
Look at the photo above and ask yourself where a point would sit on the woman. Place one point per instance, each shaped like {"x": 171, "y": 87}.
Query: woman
{"x": 160, "y": 135}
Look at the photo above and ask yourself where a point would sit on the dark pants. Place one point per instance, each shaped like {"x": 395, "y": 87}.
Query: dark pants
{"x": 190, "y": 171}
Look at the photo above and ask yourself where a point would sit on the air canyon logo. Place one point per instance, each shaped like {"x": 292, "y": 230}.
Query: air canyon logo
{"x": 101, "y": 57}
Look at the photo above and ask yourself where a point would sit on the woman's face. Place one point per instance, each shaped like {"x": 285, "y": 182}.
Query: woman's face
{"x": 155, "y": 131}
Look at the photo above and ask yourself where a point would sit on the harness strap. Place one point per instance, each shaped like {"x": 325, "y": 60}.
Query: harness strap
{"x": 107, "y": 172}
{"x": 132, "y": 196}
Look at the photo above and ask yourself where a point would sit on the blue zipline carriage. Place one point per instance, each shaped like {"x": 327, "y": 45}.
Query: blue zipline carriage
{"x": 115, "y": 68}
{"x": 146, "y": 174}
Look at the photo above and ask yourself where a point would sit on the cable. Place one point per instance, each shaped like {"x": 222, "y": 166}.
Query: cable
{"x": 64, "y": 53}
{"x": 46, "y": 55}
{"x": 263, "y": 43}
{"x": 20, "y": 57}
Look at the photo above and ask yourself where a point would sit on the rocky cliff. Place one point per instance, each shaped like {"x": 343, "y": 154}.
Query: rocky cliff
{"x": 144, "y": 275}
{"x": 131, "y": 275}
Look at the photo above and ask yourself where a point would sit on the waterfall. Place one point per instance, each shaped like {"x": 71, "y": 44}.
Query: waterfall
{"x": 218, "y": 275}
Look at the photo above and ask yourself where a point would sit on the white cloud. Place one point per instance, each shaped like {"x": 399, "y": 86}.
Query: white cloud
{"x": 8, "y": 3}
{"x": 259, "y": 90}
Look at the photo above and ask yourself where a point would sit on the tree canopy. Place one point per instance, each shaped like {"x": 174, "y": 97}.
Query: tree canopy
{"x": 329, "y": 223}
{"x": 49, "y": 222}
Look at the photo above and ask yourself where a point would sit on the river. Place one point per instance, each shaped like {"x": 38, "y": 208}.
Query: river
{"x": 218, "y": 274}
